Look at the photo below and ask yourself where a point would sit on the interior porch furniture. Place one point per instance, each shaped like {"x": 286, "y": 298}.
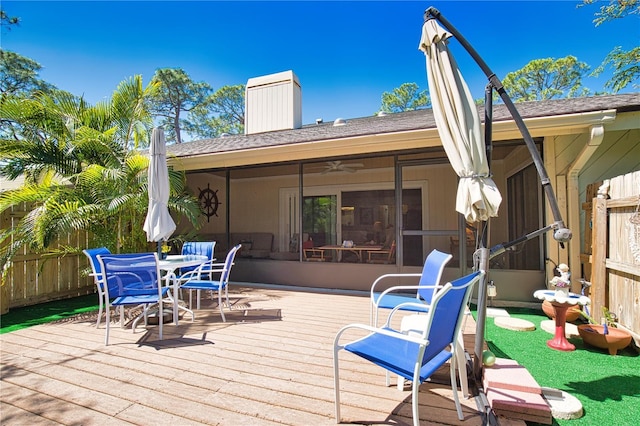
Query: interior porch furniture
{"x": 132, "y": 279}
{"x": 358, "y": 251}
{"x": 197, "y": 280}
{"x": 315, "y": 255}
{"x": 256, "y": 245}
{"x": 414, "y": 357}
{"x": 310, "y": 252}
{"x": 387, "y": 256}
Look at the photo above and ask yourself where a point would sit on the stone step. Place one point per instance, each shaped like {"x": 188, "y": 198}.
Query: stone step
{"x": 513, "y": 393}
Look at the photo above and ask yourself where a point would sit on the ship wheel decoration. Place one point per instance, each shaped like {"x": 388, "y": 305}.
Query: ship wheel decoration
{"x": 209, "y": 201}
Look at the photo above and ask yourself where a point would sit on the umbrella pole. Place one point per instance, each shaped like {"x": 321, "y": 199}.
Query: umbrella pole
{"x": 484, "y": 244}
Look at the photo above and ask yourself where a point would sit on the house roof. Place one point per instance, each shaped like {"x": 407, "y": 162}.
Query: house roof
{"x": 374, "y": 127}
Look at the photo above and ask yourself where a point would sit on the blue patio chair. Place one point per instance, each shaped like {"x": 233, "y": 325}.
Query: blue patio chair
{"x": 96, "y": 273}
{"x": 200, "y": 248}
{"x": 132, "y": 279}
{"x": 399, "y": 295}
{"x": 197, "y": 248}
{"x": 197, "y": 280}
{"x": 397, "y": 298}
{"x": 414, "y": 357}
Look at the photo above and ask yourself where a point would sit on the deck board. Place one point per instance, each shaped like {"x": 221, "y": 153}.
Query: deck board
{"x": 269, "y": 364}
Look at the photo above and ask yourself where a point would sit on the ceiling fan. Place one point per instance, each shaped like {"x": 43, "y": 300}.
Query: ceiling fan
{"x": 339, "y": 166}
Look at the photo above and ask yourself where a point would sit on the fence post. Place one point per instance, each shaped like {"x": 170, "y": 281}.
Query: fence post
{"x": 599, "y": 256}
{"x": 4, "y": 299}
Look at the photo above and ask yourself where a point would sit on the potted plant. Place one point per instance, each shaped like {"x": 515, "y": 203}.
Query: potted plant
{"x": 165, "y": 249}
{"x": 605, "y": 335}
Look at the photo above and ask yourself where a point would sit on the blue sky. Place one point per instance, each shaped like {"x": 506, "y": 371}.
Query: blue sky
{"x": 345, "y": 54}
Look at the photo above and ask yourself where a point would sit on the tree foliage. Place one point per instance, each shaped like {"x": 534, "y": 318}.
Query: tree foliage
{"x": 625, "y": 64}
{"x": 177, "y": 93}
{"x": 407, "y": 97}
{"x": 7, "y": 22}
{"x": 222, "y": 113}
{"x": 615, "y": 9}
{"x": 626, "y": 68}
{"x": 547, "y": 78}
{"x": 81, "y": 171}
{"x": 20, "y": 75}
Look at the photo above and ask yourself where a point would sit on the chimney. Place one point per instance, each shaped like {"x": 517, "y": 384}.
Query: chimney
{"x": 273, "y": 102}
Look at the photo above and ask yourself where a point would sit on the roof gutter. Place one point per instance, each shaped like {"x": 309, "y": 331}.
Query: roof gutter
{"x": 553, "y": 125}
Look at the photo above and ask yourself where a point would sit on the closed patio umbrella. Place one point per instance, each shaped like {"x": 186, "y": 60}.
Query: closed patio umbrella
{"x": 458, "y": 124}
{"x": 159, "y": 224}
{"x": 478, "y": 198}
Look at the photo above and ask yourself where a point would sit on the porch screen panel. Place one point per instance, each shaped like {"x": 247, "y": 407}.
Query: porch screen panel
{"x": 319, "y": 218}
{"x": 524, "y": 217}
{"x": 429, "y": 220}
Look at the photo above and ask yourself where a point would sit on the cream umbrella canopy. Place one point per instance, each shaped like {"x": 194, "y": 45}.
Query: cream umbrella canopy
{"x": 478, "y": 198}
{"x": 159, "y": 224}
{"x": 458, "y": 124}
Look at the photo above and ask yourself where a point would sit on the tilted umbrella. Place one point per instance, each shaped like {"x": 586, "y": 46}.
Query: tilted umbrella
{"x": 459, "y": 128}
{"x": 159, "y": 224}
{"x": 478, "y": 198}
{"x": 458, "y": 124}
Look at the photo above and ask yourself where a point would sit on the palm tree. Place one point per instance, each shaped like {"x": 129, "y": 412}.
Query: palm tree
{"x": 82, "y": 170}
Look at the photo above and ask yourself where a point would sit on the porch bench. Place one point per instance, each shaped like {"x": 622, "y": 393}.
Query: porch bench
{"x": 254, "y": 244}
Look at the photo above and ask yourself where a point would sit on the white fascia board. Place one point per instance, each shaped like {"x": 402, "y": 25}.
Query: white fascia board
{"x": 367, "y": 144}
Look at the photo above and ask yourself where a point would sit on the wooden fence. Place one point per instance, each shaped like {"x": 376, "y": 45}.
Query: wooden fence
{"x": 34, "y": 279}
{"x": 613, "y": 229}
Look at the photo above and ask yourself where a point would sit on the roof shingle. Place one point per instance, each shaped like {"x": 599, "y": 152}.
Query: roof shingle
{"x": 399, "y": 122}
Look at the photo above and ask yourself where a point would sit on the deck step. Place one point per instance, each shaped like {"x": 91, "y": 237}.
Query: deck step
{"x": 513, "y": 393}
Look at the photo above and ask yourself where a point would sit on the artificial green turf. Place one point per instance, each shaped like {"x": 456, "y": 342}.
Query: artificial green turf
{"x": 27, "y": 316}
{"x": 607, "y": 386}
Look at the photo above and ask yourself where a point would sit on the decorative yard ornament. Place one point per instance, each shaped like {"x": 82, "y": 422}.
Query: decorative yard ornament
{"x": 209, "y": 201}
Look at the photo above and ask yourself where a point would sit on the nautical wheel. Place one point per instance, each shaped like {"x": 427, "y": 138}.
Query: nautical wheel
{"x": 209, "y": 202}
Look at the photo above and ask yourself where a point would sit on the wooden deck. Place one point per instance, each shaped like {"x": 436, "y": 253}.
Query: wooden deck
{"x": 269, "y": 364}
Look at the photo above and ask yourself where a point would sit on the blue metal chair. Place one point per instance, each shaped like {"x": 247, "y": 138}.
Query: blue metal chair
{"x": 398, "y": 295}
{"x": 96, "y": 272}
{"x": 414, "y": 357}
{"x": 396, "y": 298}
{"x": 132, "y": 279}
{"x": 197, "y": 248}
{"x": 200, "y": 248}
{"x": 197, "y": 280}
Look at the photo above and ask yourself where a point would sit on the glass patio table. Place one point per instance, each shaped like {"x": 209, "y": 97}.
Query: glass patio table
{"x": 170, "y": 265}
